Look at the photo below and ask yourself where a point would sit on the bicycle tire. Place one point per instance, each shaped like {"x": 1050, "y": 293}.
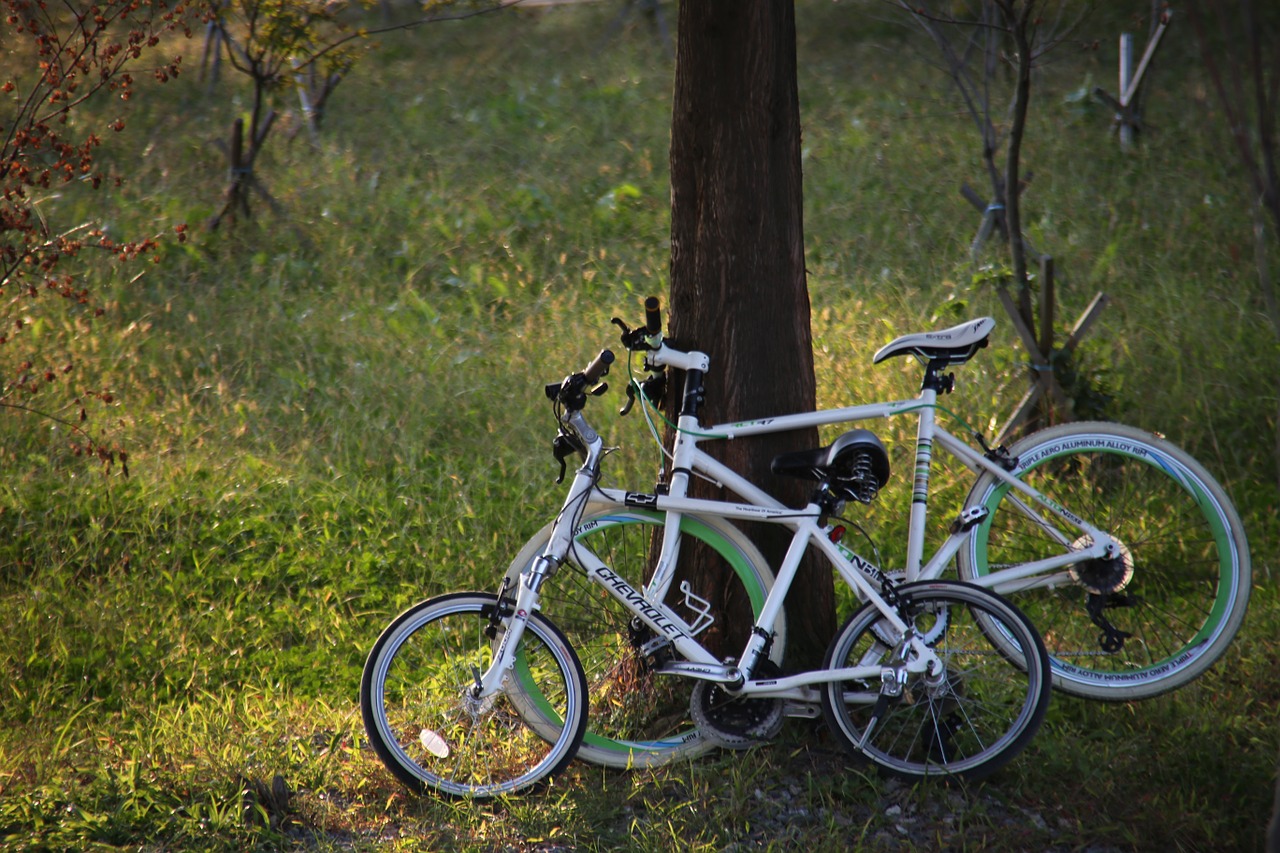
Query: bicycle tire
{"x": 1188, "y": 557}
{"x": 428, "y": 732}
{"x": 637, "y": 719}
{"x": 984, "y": 709}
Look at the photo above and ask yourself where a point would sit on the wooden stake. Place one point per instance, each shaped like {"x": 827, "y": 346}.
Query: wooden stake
{"x": 1043, "y": 380}
{"x": 1127, "y": 117}
{"x": 1046, "y": 303}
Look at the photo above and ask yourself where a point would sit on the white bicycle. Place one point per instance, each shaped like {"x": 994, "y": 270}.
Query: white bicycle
{"x": 1125, "y": 553}
{"x": 480, "y": 694}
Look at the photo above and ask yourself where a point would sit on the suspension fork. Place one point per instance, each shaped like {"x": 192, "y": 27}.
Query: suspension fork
{"x": 516, "y": 615}
{"x": 513, "y": 615}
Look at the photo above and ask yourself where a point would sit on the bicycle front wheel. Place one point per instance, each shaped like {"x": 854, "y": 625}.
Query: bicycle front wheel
{"x": 428, "y": 728}
{"x": 637, "y": 718}
{"x": 1173, "y": 598}
{"x": 968, "y": 720}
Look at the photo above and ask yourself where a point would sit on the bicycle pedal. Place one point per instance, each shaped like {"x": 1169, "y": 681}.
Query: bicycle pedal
{"x": 657, "y": 650}
{"x": 970, "y": 518}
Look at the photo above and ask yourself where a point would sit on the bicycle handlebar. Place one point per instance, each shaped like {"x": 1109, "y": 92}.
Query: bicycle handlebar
{"x": 571, "y": 393}
{"x": 652, "y": 315}
{"x": 598, "y": 367}
{"x": 572, "y": 390}
{"x": 647, "y": 337}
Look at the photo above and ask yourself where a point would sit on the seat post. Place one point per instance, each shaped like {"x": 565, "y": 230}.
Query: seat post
{"x": 924, "y": 461}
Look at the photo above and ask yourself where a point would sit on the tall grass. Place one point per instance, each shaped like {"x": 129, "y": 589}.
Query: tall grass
{"x": 336, "y": 410}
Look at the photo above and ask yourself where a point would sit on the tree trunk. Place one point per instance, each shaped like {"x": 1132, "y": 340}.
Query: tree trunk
{"x": 738, "y": 288}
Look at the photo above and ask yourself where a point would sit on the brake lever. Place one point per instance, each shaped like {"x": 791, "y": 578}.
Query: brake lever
{"x": 632, "y": 339}
{"x": 631, "y": 400}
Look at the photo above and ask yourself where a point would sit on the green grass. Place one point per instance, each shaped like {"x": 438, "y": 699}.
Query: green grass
{"x": 335, "y": 412}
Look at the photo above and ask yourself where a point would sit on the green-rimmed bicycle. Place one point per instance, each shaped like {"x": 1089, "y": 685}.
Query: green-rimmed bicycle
{"x": 1123, "y": 550}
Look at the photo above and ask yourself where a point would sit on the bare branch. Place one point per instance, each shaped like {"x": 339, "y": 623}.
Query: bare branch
{"x": 410, "y": 25}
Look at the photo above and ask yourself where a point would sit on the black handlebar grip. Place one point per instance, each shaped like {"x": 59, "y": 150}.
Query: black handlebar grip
{"x": 652, "y": 315}
{"x": 599, "y": 367}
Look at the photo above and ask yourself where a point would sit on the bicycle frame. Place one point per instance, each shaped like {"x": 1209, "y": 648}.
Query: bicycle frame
{"x": 860, "y": 574}
{"x": 649, "y": 607}
{"x": 688, "y": 457}
{"x": 929, "y": 435}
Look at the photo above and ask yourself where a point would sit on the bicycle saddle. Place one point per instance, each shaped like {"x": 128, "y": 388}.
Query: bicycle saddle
{"x": 951, "y": 346}
{"x": 856, "y": 463}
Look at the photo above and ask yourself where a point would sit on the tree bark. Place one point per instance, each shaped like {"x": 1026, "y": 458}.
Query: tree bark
{"x": 738, "y": 287}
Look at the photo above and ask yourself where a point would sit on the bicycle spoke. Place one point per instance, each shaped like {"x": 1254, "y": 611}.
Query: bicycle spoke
{"x": 970, "y": 719}
{"x": 1178, "y": 605}
{"x": 426, "y": 724}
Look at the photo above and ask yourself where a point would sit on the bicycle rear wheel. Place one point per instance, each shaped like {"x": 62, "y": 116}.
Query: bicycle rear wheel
{"x": 1176, "y": 595}
{"x": 971, "y": 719}
{"x": 428, "y": 729}
{"x": 637, "y": 718}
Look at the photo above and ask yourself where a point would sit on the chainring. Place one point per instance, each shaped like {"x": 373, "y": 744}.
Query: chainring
{"x": 933, "y": 631}
{"x": 737, "y": 722}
